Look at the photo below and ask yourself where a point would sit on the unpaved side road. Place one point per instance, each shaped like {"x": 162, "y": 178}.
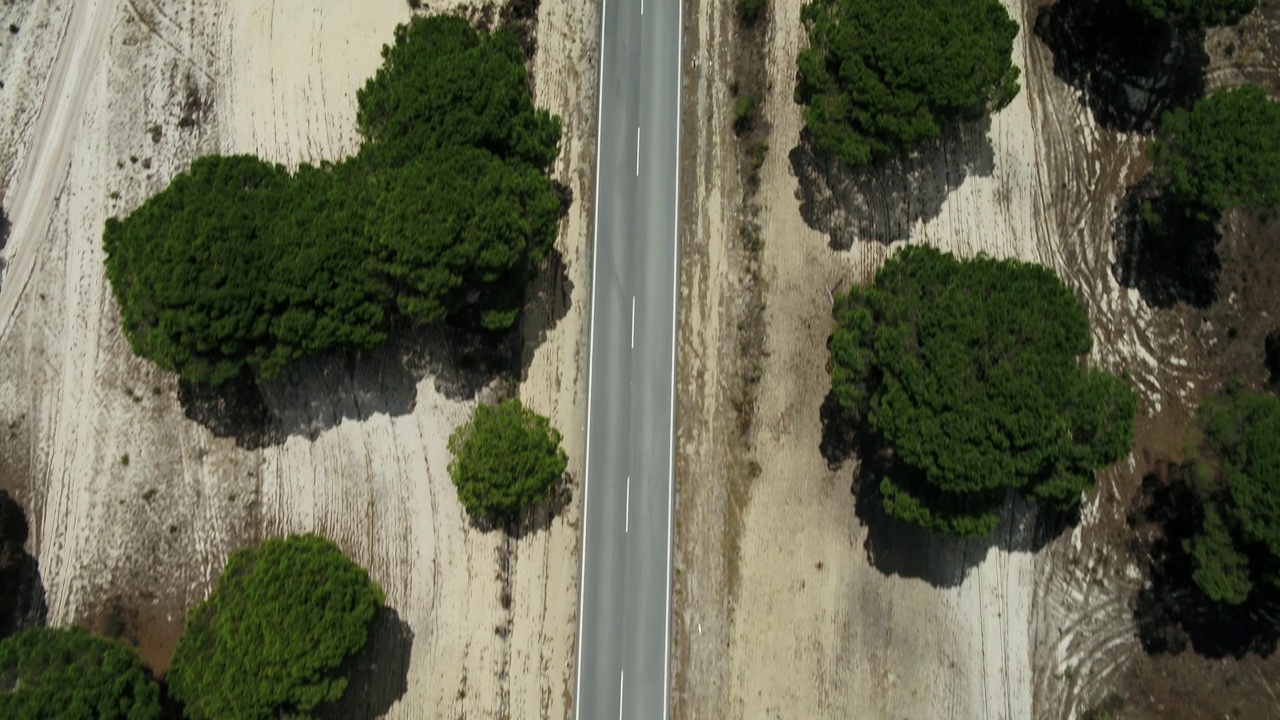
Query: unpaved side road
{"x": 136, "y": 506}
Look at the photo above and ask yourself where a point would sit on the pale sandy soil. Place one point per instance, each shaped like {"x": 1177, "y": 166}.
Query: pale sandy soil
{"x": 482, "y": 625}
{"x": 779, "y": 611}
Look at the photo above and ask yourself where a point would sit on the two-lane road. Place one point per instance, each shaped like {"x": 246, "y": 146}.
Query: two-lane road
{"x": 625, "y": 608}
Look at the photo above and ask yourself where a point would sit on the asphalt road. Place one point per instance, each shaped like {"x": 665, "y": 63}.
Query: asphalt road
{"x": 624, "y": 632}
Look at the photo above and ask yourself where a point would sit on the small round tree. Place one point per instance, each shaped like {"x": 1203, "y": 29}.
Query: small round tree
{"x": 272, "y": 636}
{"x": 69, "y": 674}
{"x": 1224, "y": 153}
{"x": 505, "y": 458}
{"x": 972, "y": 374}
{"x": 881, "y": 76}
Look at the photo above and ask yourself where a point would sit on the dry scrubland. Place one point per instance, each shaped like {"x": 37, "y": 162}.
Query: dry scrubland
{"x": 780, "y": 610}
{"x": 134, "y": 507}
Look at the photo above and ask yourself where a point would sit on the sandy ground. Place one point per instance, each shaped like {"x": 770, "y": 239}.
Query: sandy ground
{"x": 780, "y": 609}
{"x": 134, "y": 506}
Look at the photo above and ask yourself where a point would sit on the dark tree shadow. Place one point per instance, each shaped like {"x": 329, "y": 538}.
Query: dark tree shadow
{"x": 1130, "y": 70}
{"x": 1170, "y": 610}
{"x": 548, "y": 302}
{"x": 379, "y": 675}
{"x": 882, "y": 201}
{"x": 1271, "y": 349}
{"x": 903, "y": 549}
{"x": 1177, "y": 262}
{"x": 534, "y": 519}
{"x": 22, "y": 599}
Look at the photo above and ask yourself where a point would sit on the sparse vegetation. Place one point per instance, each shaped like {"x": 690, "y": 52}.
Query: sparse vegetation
{"x": 971, "y": 372}
{"x": 744, "y": 114}
{"x": 505, "y": 458}
{"x": 750, "y": 12}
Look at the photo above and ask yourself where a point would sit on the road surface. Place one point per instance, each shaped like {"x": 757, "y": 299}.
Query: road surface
{"x": 624, "y": 613}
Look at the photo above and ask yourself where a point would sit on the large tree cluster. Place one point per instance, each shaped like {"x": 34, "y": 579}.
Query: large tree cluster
{"x": 973, "y": 374}
{"x": 505, "y": 458}
{"x": 1237, "y": 546}
{"x": 275, "y": 632}
{"x": 240, "y": 267}
{"x": 67, "y": 673}
{"x": 880, "y": 77}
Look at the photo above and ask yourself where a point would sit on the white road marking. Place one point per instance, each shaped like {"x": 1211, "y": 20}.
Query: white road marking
{"x": 641, "y": 7}
{"x": 626, "y": 528}
{"x": 591, "y": 353}
{"x": 622, "y": 688}
{"x": 637, "y": 152}
{"x": 633, "y": 322}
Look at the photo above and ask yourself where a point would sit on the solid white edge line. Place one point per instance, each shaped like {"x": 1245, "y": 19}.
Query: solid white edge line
{"x": 675, "y": 313}
{"x": 591, "y": 343}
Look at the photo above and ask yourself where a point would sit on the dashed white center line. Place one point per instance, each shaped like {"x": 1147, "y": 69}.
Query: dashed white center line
{"x": 622, "y": 686}
{"x": 633, "y": 322}
{"x": 637, "y": 152}
{"x": 626, "y": 523}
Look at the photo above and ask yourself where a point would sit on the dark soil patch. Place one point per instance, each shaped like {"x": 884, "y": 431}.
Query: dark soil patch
{"x": 142, "y": 623}
{"x": 1129, "y": 70}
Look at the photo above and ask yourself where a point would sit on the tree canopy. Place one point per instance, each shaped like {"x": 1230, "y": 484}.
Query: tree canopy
{"x": 1238, "y": 482}
{"x": 880, "y": 77}
{"x": 274, "y": 633}
{"x": 69, "y": 674}
{"x": 505, "y": 458}
{"x": 1224, "y": 153}
{"x": 240, "y": 267}
{"x": 972, "y": 373}
{"x": 1197, "y": 13}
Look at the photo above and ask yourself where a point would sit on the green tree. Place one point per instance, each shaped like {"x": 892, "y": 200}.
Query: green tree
{"x": 972, "y": 373}
{"x": 1238, "y": 483}
{"x": 1224, "y": 153}
{"x": 67, "y": 673}
{"x": 443, "y": 84}
{"x": 239, "y": 268}
{"x": 881, "y": 76}
{"x": 274, "y": 633}
{"x": 1196, "y": 13}
{"x": 505, "y": 458}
